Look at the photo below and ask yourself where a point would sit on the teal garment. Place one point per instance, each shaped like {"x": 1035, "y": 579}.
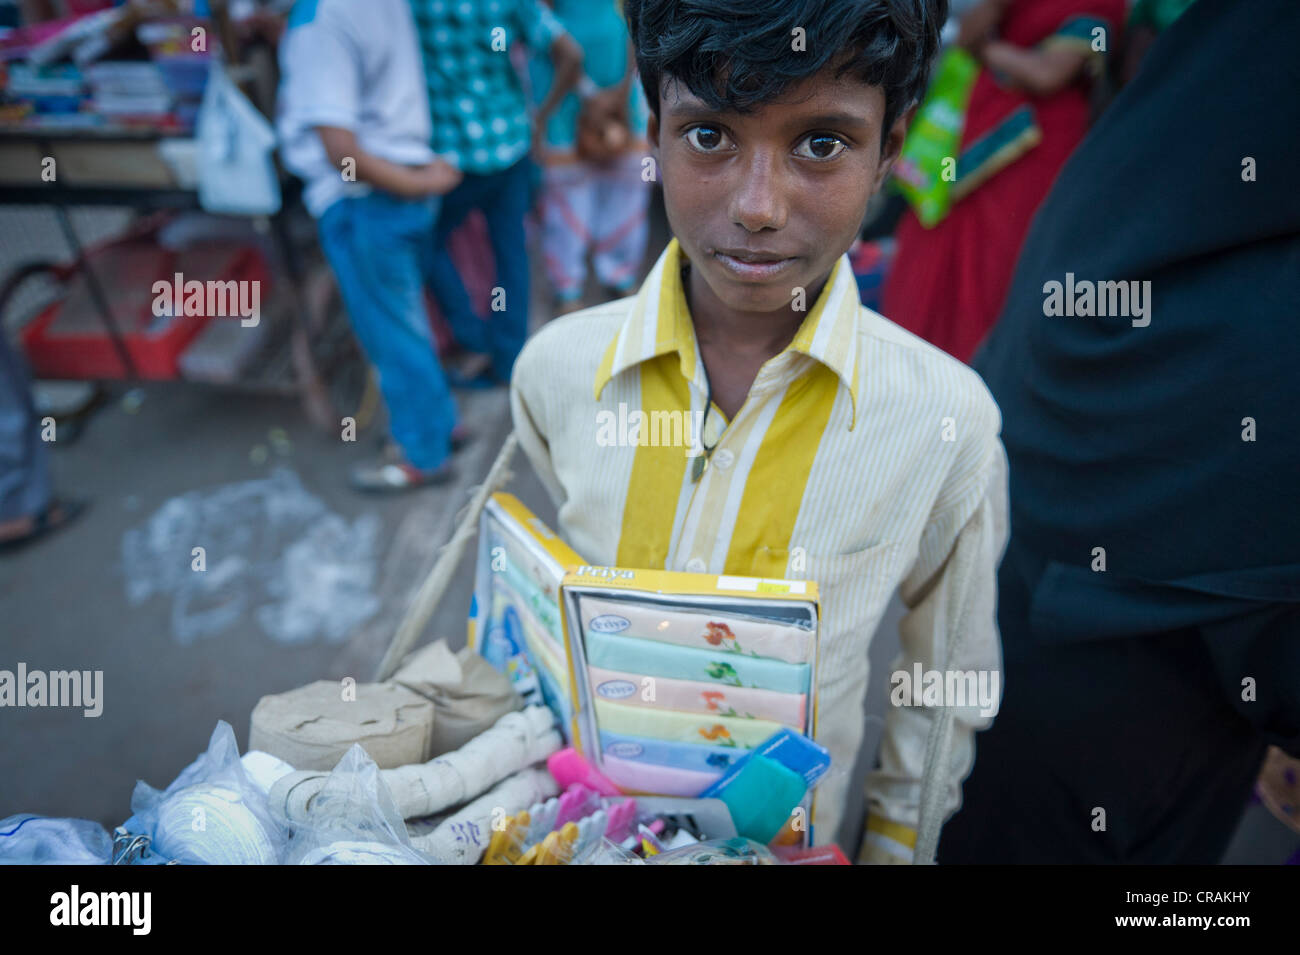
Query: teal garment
{"x": 1157, "y": 14}
{"x": 597, "y": 27}
{"x": 630, "y": 655}
{"x": 480, "y": 117}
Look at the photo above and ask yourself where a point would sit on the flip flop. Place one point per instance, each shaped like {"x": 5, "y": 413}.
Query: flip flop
{"x": 46, "y": 522}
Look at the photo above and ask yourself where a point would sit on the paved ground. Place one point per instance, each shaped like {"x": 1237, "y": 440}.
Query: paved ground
{"x": 63, "y": 603}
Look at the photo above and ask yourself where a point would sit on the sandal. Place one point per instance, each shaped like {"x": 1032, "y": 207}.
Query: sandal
{"x": 58, "y": 513}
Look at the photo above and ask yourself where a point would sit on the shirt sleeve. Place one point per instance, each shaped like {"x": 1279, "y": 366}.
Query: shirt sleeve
{"x": 322, "y": 74}
{"x": 950, "y": 627}
{"x": 538, "y": 26}
{"x": 528, "y": 409}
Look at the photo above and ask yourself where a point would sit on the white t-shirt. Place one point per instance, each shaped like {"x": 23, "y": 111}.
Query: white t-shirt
{"x": 354, "y": 64}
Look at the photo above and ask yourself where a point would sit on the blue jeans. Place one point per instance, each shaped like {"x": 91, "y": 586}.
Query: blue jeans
{"x": 375, "y": 244}
{"x": 25, "y": 486}
{"x": 503, "y": 197}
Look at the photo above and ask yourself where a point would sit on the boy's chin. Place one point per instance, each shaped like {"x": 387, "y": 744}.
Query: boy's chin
{"x": 743, "y": 297}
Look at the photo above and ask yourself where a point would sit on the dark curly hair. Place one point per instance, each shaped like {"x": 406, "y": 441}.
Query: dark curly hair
{"x": 737, "y": 54}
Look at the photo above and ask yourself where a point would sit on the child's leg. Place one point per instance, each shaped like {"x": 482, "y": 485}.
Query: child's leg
{"x": 505, "y": 209}
{"x": 440, "y": 271}
{"x": 374, "y": 244}
{"x": 568, "y": 209}
{"x": 620, "y": 228}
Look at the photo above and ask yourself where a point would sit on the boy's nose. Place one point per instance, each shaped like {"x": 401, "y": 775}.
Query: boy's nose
{"x": 758, "y": 200}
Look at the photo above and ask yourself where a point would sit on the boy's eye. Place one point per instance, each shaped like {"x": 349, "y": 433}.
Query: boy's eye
{"x": 821, "y": 146}
{"x": 706, "y": 139}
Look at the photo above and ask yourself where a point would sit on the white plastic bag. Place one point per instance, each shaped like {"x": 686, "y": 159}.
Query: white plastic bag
{"x": 213, "y": 813}
{"x": 352, "y": 821}
{"x": 236, "y": 173}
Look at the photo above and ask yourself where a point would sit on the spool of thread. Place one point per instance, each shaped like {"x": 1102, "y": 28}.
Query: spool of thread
{"x": 211, "y": 825}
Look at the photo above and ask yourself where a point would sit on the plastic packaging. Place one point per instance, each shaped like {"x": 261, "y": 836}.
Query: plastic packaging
{"x": 352, "y": 821}
{"x": 213, "y": 813}
{"x": 267, "y": 546}
{"x": 26, "y": 839}
{"x": 606, "y": 852}
{"x": 737, "y": 851}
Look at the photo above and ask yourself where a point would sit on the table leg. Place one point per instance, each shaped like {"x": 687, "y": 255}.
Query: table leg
{"x": 315, "y": 397}
{"x": 96, "y": 291}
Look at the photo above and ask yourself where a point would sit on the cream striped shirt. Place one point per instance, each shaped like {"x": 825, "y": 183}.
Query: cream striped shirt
{"x": 862, "y": 458}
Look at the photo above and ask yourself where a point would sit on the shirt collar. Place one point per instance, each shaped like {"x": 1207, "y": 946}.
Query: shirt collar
{"x": 659, "y": 322}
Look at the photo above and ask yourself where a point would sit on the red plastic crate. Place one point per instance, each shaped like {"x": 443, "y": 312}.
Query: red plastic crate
{"x": 68, "y": 339}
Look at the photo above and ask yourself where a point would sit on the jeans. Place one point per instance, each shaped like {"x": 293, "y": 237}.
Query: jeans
{"x": 25, "y": 486}
{"x": 375, "y": 244}
{"x": 503, "y": 197}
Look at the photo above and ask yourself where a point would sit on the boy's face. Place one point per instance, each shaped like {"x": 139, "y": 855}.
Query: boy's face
{"x": 766, "y": 202}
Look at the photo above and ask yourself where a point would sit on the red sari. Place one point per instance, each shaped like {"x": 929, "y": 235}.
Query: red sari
{"x": 947, "y": 284}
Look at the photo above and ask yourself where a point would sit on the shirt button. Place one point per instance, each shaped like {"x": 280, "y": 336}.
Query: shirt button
{"x": 696, "y": 566}
{"x": 724, "y": 458}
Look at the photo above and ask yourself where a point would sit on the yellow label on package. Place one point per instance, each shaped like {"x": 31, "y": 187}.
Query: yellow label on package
{"x": 682, "y": 582}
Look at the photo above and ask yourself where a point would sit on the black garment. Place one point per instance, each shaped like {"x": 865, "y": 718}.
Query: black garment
{"x": 1124, "y": 687}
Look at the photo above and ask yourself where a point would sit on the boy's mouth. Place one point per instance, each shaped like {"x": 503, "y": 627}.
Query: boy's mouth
{"x": 753, "y": 264}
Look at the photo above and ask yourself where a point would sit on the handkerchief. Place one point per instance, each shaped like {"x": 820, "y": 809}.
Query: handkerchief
{"x": 630, "y": 655}
{"x": 717, "y": 633}
{"x": 674, "y": 726}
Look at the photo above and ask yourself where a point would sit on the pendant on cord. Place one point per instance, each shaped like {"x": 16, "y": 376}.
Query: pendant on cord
{"x": 699, "y": 465}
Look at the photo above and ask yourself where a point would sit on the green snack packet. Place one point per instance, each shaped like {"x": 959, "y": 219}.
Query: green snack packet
{"x": 935, "y": 136}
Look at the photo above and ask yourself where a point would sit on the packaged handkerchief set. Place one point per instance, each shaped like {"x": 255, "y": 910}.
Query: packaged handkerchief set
{"x": 664, "y": 680}
{"x": 515, "y": 619}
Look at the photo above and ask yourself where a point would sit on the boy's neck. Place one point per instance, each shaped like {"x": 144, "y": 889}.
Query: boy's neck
{"x": 751, "y": 334}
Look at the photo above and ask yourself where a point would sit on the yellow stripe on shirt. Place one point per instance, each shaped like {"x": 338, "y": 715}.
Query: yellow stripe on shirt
{"x": 657, "y": 472}
{"x": 760, "y": 541}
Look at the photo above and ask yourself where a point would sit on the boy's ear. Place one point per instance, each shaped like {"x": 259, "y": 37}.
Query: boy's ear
{"x": 892, "y": 146}
{"x": 652, "y": 131}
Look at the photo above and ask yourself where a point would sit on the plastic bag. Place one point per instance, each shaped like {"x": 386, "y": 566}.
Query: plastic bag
{"x": 213, "y": 813}
{"x": 26, "y": 839}
{"x": 352, "y": 820}
{"x": 236, "y": 174}
{"x": 606, "y": 852}
{"x": 270, "y": 545}
{"x": 935, "y": 137}
{"x": 737, "y": 851}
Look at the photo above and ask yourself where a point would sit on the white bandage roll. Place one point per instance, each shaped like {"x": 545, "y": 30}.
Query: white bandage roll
{"x": 461, "y": 839}
{"x": 515, "y": 741}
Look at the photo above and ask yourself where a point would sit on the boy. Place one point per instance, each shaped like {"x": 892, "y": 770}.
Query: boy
{"x": 354, "y": 123}
{"x": 836, "y": 446}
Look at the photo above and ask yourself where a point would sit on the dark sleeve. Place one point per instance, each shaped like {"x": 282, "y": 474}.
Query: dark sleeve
{"x": 1263, "y": 647}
